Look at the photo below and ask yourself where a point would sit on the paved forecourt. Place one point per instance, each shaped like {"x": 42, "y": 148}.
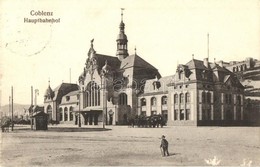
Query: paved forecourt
{"x": 120, "y": 145}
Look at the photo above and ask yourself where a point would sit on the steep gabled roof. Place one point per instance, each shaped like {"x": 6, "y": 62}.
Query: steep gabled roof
{"x": 162, "y": 84}
{"x": 73, "y": 93}
{"x": 197, "y": 64}
{"x": 135, "y": 61}
{"x": 63, "y": 89}
{"x": 111, "y": 60}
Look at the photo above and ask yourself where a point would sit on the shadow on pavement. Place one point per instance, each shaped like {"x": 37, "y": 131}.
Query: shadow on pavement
{"x": 61, "y": 129}
{"x": 70, "y": 129}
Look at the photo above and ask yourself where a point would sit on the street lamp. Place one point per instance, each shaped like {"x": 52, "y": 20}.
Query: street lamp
{"x": 103, "y": 80}
{"x": 79, "y": 120}
{"x": 136, "y": 93}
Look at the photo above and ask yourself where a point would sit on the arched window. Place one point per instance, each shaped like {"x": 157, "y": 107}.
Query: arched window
{"x": 49, "y": 109}
{"x": 187, "y": 97}
{"x": 71, "y": 115}
{"x": 60, "y": 112}
{"x": 49, "y": 112}
{"x": 181, "y": 98}
{"x": 180, "y": 73}
{"x": 92, "y": 94}
{"x": 239, "y": 100}
{"x": 65, "y": 114}
{"x": 143, "y": 102}
{"x": 153, "y": 101}
{"x": 175, "y": 99}
{"x": 208, "y": 97}
{"x": 164, "y": 100}
{"x": 203, "y": 97}
{"x": 234, "y": 69}
{"x": 123, "y": 99}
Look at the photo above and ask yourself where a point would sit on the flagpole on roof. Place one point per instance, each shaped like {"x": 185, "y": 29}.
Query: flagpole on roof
{"x": 208, "y": 46}
{"x": 12, "y": 108}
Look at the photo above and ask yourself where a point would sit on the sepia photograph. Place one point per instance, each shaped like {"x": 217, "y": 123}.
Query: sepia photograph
{"x": 130, "y": 83}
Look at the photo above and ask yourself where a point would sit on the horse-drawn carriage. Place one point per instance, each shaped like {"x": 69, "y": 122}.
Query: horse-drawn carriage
{"x": 147, "y": 121}
{"x": 6, "y": 123}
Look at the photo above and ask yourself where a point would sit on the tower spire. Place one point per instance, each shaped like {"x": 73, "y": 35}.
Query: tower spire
{"x": 122, "y": 51}
{"x": 122, "y": 9}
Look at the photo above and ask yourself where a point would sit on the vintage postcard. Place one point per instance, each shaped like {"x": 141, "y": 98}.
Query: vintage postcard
{"x": 130, "y": 83}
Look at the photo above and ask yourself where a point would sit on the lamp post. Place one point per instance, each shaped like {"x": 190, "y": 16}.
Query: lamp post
{"x": 103, "y": 80}
{"x": 136, "y": 93}
{"x": 79, "y": 120}
{"x": 12, "y": 109}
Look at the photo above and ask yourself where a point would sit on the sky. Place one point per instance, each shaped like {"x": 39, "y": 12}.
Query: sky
{"x": 164, "y": 32}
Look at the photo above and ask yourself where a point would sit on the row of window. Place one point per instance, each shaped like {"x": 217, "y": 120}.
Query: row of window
{"x": 68, "y": 115}
{"x": 228, "y": 99}
{"x": 92, "y": 95}
{"x": 154, "y": 101}
{"x": 228, "y": 115}
{"x": 182, "y": 114}
{"x": 180, "y": 98}
{"x": 206, "y": 97}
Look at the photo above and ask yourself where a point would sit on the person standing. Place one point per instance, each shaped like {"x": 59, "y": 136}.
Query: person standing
{"x": 164, "y": 146}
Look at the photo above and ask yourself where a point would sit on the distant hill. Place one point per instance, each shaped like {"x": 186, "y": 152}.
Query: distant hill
{"x": 19, "y": 109}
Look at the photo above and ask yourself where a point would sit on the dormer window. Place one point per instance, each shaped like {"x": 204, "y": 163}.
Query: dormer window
{"x": 181, "y": 74}
{"x": 204, "y": 74}
{"x": 67, "y": 98}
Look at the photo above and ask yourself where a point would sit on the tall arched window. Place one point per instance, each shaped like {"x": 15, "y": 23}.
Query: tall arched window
{"x": 164, "y": 100}
{"x": 60, "y": 112}
{"x": 208, "y": 97}
{"x": 153, "y": 101}
{"x": 181, "y": 74}
{"x": 181, "y": 98}
{"x": 49, "y": 109}
{"x": 187, "y": 97}
{"x": 203, "y": 97}
{"x": 49, "y": 112}
{"x": 239, "y": 100}
{"x": 123, "y": 99}
{"x": 92, "y": 94}
{"x": 65, "y": 114}
{"x": 71, "y": 115}
{"x": 143, "y": 102}
{"x": 175, "y": 99}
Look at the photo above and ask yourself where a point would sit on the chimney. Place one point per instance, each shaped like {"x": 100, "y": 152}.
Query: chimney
{"x": 206, "y": 62}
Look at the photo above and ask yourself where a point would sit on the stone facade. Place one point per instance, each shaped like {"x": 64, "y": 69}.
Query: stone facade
{"x": 200, "y": 93}
{"x": 113, "y": 89}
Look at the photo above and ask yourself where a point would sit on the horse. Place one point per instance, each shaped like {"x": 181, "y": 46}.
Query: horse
{"x": 157, "y": 120}
{"x": 5, "y": 124}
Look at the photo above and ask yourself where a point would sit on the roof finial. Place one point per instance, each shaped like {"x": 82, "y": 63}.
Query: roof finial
{"x": 49, "y": 81}
{"x": 92, "y": 42}
{"x": 192, "y": 56}
{"x": 135, "y": 50}
{"x": 214, "y": 60}
{"x": 208, "y": 45}
{"x": 122, "y": 13}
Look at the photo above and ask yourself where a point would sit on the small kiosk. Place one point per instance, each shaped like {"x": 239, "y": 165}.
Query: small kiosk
{"x": 39, "y": 121}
